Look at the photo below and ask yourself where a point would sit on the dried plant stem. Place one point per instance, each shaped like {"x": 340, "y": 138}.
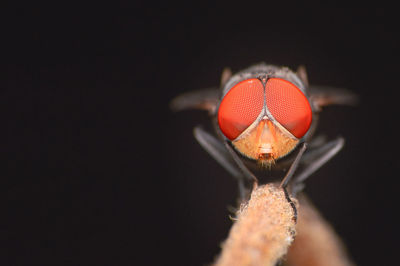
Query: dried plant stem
{"x": 316, "y": 243}
{"x": 264, "y": 229}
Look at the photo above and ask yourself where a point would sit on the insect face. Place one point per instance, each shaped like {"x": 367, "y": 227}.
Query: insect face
{"x": 265, "y": 117}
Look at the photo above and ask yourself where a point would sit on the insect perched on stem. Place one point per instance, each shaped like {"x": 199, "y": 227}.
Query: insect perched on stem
{"x": 261, "y": 116}
{"x": 264, "y": 118}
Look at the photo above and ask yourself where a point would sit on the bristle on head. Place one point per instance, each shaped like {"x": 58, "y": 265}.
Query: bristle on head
{"x": 265, "y": 160}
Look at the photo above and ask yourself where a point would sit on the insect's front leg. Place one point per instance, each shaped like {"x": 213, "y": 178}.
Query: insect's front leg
{"x": 222, "y": 155}
{"x": 314, "y": 159}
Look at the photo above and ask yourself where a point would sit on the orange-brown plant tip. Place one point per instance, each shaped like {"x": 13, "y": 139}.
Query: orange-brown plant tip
{"x": 263, "y": 231}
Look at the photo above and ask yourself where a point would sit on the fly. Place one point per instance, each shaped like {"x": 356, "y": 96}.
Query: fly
{"x": 261, "y": 116}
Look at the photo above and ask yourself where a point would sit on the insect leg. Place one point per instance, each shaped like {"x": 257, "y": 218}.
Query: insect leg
{"x": 206, "y": 99}
{"x": 293, "y": 167}
{"x": 321, "y": 96}
{"x": 240, "y": 163}
{"x": 217, "y": 150}
{"x": 289, "y": 175}
{"x": 315, "y": 159}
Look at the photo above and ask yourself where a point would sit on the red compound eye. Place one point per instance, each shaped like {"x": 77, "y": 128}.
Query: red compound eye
{"x": 289, "y": 106}
{"x": 240, "y": 107}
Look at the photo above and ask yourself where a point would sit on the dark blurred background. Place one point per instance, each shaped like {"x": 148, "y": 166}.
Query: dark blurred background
{"x": 96, "y": 170}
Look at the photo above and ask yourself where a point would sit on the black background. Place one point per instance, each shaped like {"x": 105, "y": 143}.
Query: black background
{"x": 97, "y": 170}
